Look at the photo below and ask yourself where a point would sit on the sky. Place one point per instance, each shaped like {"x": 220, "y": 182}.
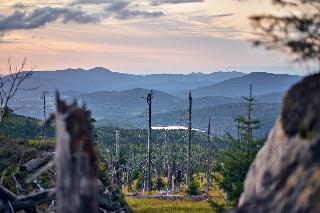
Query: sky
{"x": 137, "y": 36}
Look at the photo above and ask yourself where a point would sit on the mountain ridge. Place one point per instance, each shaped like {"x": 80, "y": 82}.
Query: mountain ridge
{"x": 262, "y": 82}
{"x": 99, "y": 79}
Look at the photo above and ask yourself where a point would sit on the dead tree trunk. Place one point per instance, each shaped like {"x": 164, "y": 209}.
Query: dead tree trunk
{"x": 145, "y": 180}
{"x": 250, "y": 108}
{"x": 189, "y": 141}
{"x": 209, "y": 155}
{"x": 130, "y": 166}
{"x": 178, "y": 178}
{"x": 126, "y": 176}
{"x": 117, "y": 144}
{"x": 149, "y": 101}
{"x": 169, "y": 176}
{"x": 44, "y": 98}
{"x": 116, "y": 164}
{"x": 76, "y": 162}
{"x": 238, "y": 130}
{"x": 158, "y": 169}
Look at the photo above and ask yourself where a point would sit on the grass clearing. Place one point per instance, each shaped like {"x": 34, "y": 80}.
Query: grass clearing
{"x": 145, "y": 205}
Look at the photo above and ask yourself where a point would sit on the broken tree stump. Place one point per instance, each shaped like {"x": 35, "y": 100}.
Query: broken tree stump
{"x": 75, "y": 159}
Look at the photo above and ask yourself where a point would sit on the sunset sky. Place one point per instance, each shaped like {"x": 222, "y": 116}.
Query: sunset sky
{"x": 137, "y": 36}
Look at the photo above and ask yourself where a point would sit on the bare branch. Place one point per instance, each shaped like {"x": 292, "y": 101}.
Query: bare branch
{"x": 10, "y": 84}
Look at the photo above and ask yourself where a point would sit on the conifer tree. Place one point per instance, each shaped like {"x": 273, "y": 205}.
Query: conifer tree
{"x": 236, "y": 159}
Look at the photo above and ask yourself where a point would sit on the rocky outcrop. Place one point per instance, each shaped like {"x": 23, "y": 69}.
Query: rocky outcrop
{"x": 285, "y": 177}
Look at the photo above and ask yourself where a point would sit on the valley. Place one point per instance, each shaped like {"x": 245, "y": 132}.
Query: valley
{"x": 116, "y": 99}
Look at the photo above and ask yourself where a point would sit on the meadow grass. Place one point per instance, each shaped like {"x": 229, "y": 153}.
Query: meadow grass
{"x": 145, "y": 205}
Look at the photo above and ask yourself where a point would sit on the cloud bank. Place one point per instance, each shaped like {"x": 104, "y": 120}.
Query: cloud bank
{"x": 121, "y": 10}
{"x": 160, "y": 2}
{"x": 80, "y": 2}
{"x": 41, "y": 16}
{"x": 22, "y": 18}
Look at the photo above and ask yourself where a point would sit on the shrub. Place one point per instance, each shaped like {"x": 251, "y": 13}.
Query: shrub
{"x": 193, "y": 187}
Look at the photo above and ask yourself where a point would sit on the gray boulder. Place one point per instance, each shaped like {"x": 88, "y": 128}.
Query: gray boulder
{"x": 285, "y": 177}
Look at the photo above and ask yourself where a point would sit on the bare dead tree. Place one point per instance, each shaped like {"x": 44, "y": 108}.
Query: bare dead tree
{"x": 189, "y": 141}
{"x": 209, "y": 157}
{"x": 148, "y": 168}
{"x": 116, "y": 164}
{"x": 117, "y": 144}
{"x": 11, "y": 83}
{"x": 158, "y": 168}
{"x": 169, "y": 175}
{"x": 44, "y": 98}
{"x": 149, "y": 101}
{"x": 130, "y": 168}
{"x": 178, "y": 177}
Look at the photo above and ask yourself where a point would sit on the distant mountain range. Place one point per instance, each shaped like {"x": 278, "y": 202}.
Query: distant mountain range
{"x": 101, "y": 79}
{"x": 262, "y": 83}
{"x": 116, "y": 98}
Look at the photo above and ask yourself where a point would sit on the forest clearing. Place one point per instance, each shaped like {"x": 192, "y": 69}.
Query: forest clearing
{"x": 157, "y": 206}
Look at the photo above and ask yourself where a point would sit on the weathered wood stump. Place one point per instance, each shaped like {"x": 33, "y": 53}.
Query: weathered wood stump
{"x": 76, "y": 162}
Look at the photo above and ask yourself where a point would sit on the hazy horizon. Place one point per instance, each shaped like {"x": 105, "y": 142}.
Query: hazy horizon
{"x": 245, "y": 70}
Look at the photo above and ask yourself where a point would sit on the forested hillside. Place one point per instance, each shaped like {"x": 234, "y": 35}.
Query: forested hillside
{"x": 223, "y": 117}
{"x": 21, "y": 127}
{"x": 262, "y": 83}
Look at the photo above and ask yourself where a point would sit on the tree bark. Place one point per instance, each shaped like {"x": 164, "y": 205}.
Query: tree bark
{"x": 209, "y": 155}
{"x": 189, "y": 141}
{"x": 76, "y": 163}
{"x": 116, "y": 164}
{"x": 149, "y": 178}
{"x": 158, "y": 169}
{"x": 169, "y": 176}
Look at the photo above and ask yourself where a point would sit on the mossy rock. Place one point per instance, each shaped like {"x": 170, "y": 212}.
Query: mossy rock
{"x": 301, "y": 108}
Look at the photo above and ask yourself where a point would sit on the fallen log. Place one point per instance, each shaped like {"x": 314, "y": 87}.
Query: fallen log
{"x": 17, "y": 184}
{"x": 5, "y": 194}
{"x": 160, "y": 197}
{"x": 33, "y": 200}
{"x": 34, "y": 164}
{"x": 39, "y": 172}
{"x": 29, "y": 202}
{"x": 3, "y": 176}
